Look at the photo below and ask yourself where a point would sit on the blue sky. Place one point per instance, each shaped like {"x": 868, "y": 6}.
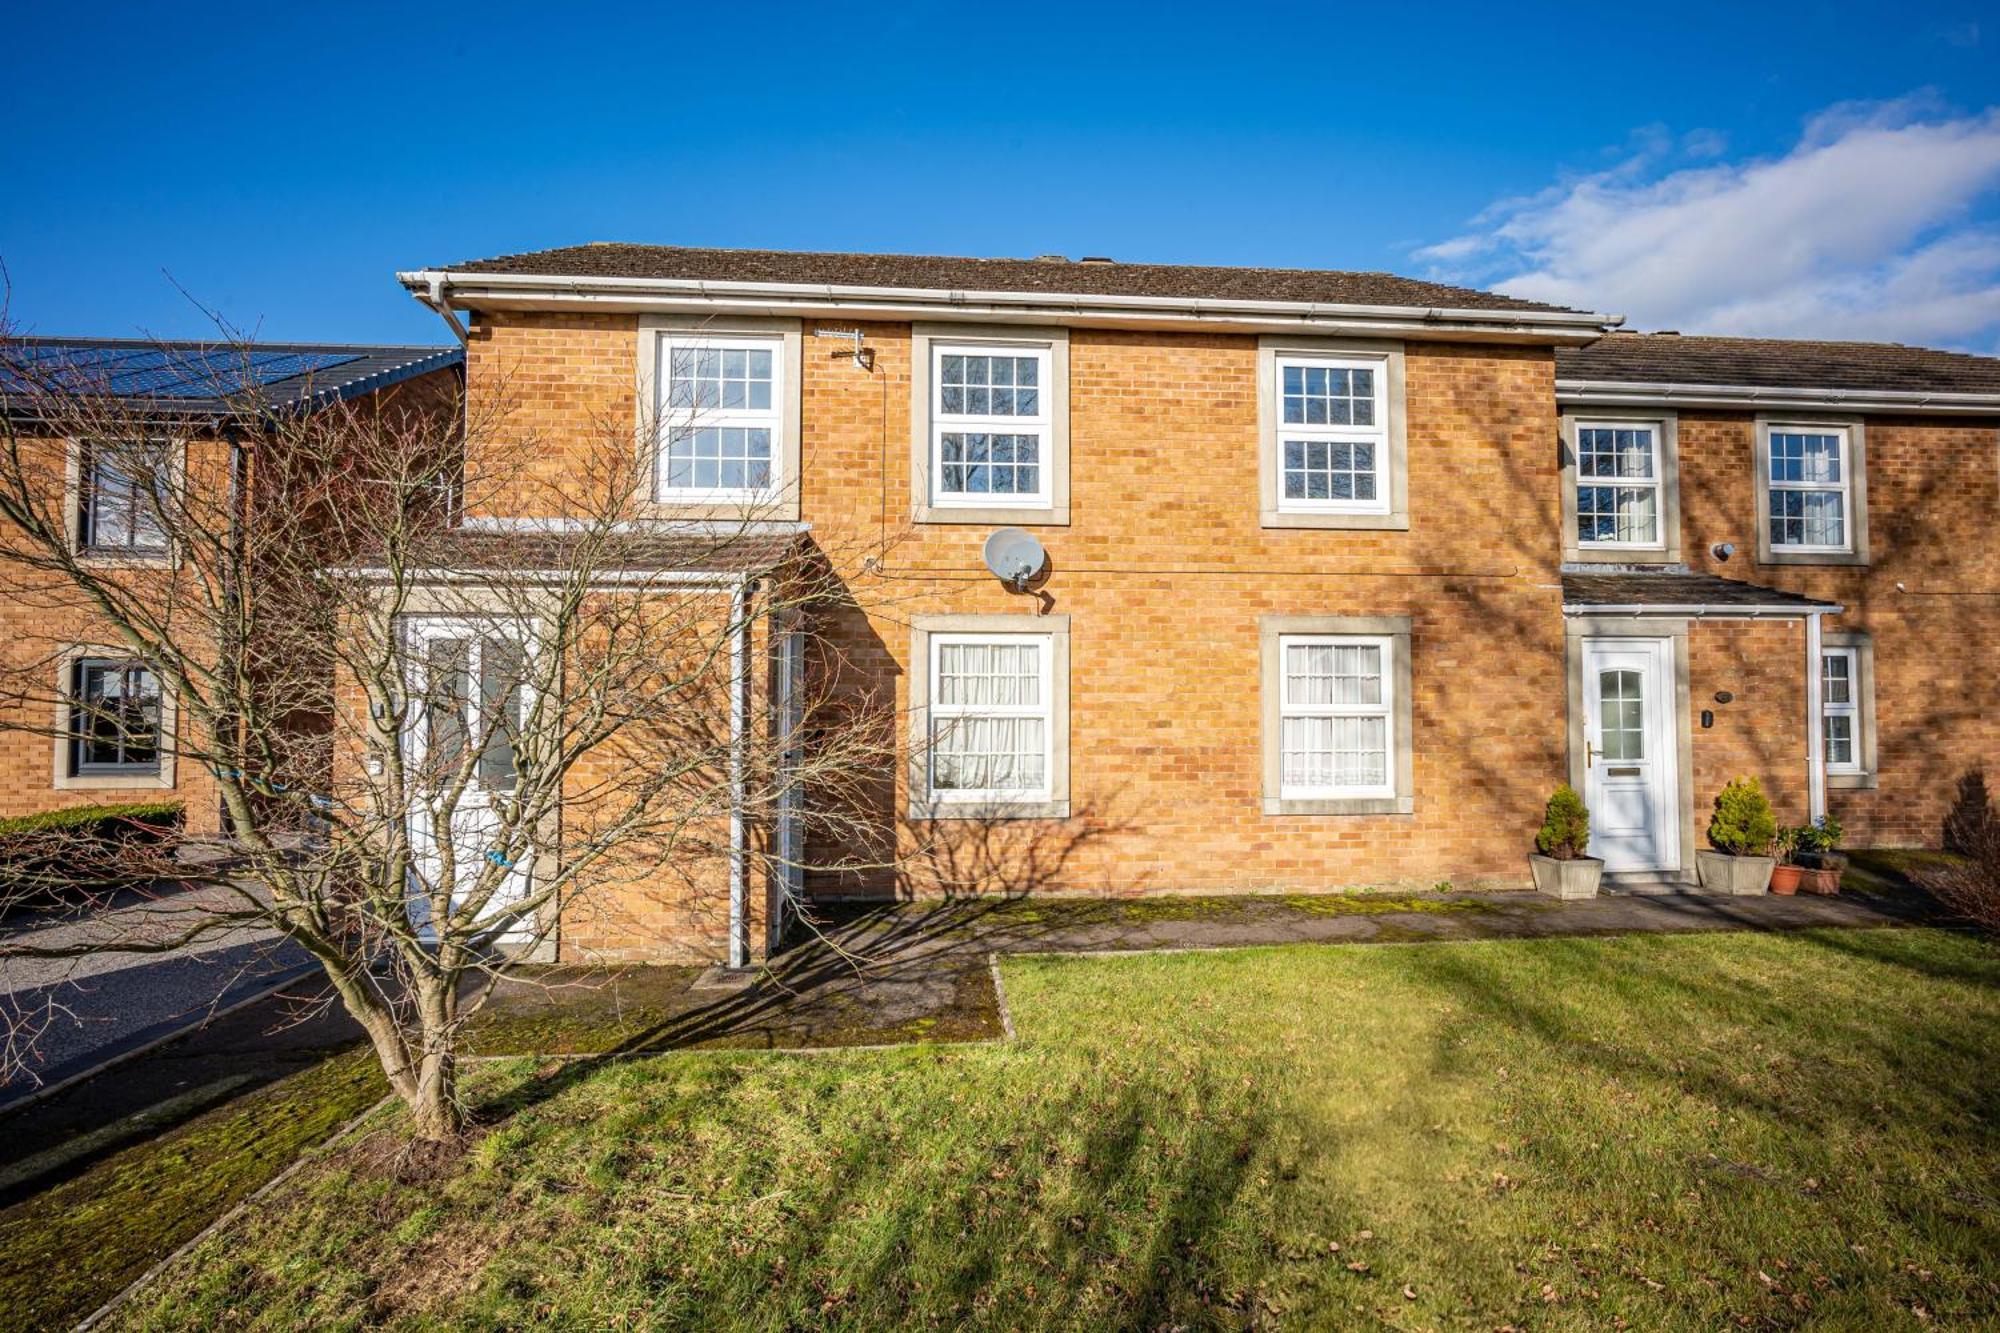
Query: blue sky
{"x": 1832, "y": 170}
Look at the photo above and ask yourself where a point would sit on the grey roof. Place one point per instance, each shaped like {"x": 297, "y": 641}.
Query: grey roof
{"x": 1672, "y": 358}
{"x": 1054, "y": 276}
{"x": 1636, "y": 588}
{"x": 209, "y": 378}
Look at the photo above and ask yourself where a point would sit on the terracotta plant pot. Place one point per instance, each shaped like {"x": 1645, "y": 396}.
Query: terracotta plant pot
{"x": 1735, "y": 875}
{"x": 1826, "y": 882}
{"x": 1785, "y": 878}
{"x": 1574, "y": 878}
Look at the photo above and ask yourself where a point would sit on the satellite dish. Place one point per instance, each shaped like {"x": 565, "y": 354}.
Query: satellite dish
{"x": 1014, "y": 556}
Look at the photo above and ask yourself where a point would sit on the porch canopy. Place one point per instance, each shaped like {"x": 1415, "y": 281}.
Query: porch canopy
{"x": 1683, "y": 594}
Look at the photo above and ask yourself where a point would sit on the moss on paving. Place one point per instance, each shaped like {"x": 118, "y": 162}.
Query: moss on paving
{"x": 1666, "y": 1131}
{"x": 67, "y": 1250}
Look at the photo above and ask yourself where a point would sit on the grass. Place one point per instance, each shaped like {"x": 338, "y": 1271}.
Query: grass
{"x": 1653, "y": 1131}
{"x": 68, "y": 1249}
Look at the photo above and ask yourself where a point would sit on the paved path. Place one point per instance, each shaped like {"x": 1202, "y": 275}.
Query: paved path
{"x": 71, "y": 1014}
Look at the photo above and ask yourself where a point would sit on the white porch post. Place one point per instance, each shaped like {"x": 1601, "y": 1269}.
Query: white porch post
{"x": 1815, "y": 727}
{"x": 739, "y": 684}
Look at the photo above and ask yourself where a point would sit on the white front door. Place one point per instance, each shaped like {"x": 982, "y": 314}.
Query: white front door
{"x": 1631, "y": 779}
{"x": 469, "y": 693}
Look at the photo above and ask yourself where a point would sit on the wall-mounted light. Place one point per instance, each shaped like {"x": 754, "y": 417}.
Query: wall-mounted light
{"x": 1722, "y": 550}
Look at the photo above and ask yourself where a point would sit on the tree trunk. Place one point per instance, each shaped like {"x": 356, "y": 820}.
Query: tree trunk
{"x": 435, "y": 1111}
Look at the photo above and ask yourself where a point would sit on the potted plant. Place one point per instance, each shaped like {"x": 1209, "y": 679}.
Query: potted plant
{"x": 1560, "y": 867}
{"x": 1741, "y": 832}
{"x": 1786, "y": 874}
{"x": 1821, "y": 864}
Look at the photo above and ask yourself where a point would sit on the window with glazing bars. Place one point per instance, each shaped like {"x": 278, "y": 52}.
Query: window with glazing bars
{"x": 124, "y": 496}
{"x": 114, "y": 719}
{"x": 989, "y": 424}
{"x": 1333, "y": 435}
{"x": 1809, "y": 488}
{"x": 989, "y": 716}
{"x": 1334, "y": 717}
{"x": 1618, "y": 485}
{"x": 719, "y": 416}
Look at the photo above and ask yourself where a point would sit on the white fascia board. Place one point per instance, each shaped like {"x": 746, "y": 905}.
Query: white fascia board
{"x": 1624, "y": 393}
{"x": 1699, "y": 611}
{"x": 514, "y": 291}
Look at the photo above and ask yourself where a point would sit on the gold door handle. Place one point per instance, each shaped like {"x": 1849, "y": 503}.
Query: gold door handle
{"x": 1589, "y": 752}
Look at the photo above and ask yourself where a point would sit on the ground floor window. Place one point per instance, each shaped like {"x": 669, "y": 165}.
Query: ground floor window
{"x": 990, "y": 708}
{"x": 114, "y": 719}
{"x": 1337, "y": 722}
{"x": 1847, "y": 708}
{"x": 1335, "y": 735}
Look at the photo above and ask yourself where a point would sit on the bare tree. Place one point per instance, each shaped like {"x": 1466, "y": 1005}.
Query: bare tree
{"x": 439, "y": 742}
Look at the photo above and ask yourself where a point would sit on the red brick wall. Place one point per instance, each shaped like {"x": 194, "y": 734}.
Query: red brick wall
{"x": 1933, "y": 493}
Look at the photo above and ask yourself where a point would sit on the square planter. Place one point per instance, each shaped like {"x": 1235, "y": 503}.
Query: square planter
{"x": 1566, "y": 879}
{"x": 1737, "y": 875}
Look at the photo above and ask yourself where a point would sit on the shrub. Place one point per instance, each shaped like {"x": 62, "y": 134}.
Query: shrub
{"x": 1969, "y": 824}
{"x": 84, "y": 847}
{"x": 1969, "y": 886}
{"x": 1743, "y": 824}
{"x": 1790, "y": 842}
{"x": 1565, "y": 826}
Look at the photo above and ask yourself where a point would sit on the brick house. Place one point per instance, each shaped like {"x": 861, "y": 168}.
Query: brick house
{"x": 209, "y": 406}
{"x": 1345, "y": 571}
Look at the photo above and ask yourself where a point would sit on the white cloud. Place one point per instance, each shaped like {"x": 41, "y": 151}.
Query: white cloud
{"x": 1869, "y": 227}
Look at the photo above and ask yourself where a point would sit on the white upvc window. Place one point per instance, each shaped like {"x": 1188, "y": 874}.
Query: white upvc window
{"x": 1810, "y": 482}
{"x": 720, "y": 415}
{"x": 1618, "y": 473}
{"x": 1335, "y": 717}
{"x": 1333, "y": 434}
{"x": 990, "y": 425}
{"x": 1840, "y": 708}
{"x": 990, "y": 717}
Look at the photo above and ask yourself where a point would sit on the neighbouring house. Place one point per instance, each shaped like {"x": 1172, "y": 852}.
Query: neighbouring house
{"x": 84, "y": 722}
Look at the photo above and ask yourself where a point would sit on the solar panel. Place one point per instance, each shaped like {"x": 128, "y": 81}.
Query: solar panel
{"x": 158, "y": 372}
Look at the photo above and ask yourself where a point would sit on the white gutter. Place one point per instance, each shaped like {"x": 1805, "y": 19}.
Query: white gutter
{"x": 433, "y": 297}
{"x": 500, "y": 290}
{"x": 1815, "y": 732}
{"x": 646, "y": 526}
{"x": 1625, "y": 393}
{"x": 1698, "y": 611}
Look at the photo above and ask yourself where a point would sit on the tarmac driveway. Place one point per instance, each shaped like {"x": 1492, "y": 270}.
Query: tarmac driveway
{"x": 59, "y": 1017}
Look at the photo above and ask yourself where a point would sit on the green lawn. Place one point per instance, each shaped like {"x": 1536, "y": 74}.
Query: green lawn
{"x": 1669, "y": 1131}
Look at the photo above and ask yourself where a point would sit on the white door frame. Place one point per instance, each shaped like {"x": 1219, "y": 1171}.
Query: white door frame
{"x": 1579, "y": 629}
{"x": 1631, "y": 779}
{"x": 476, "y": 802}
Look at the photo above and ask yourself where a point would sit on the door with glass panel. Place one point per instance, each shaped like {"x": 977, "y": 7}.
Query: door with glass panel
{"x": 469, "y": 698}
{"x": 1631, "y": 777}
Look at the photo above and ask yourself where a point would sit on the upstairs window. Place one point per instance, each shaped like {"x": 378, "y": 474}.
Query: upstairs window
{"x": 990, "y": 425}
{"x": 1335, "y": 713}
{"x": 1333, "y": 435}
{"x": 114, "y": 718}
{"x": 1809, "y": 483}
{"x": 1618, "y": 474}
{"x": 720, "y": 418}
{"x": 123, "y": 498}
